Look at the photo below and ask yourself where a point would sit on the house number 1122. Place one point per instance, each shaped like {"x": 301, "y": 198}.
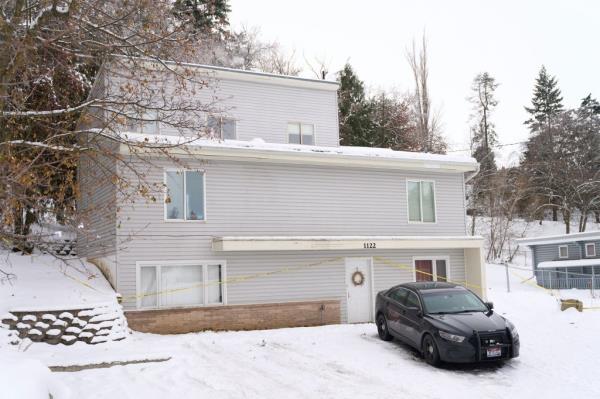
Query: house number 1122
{"x": 368, "y": 245}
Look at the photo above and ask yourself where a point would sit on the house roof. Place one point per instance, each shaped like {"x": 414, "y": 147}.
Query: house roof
{"x": 258, "y": 149}
{"x": 560, "y": 239}
{"x": 569, "y": 263}
{"x": 218, "y": 72}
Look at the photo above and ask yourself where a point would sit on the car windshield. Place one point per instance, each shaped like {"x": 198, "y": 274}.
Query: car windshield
{"x": 452, "y": 301}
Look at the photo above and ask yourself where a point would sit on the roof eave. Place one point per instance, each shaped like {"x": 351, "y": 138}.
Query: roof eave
{"x": 292, "y": 157}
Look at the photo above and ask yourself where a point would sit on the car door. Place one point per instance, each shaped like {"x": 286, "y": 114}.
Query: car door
{"x": 411, "y": 318}
{"x": 394, "y": 309}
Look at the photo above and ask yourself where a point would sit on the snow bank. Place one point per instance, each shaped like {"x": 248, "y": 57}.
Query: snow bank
{"x": 45, "y": 293}
{"x": 43, "y": 282}
{"x": 25, "y": 378}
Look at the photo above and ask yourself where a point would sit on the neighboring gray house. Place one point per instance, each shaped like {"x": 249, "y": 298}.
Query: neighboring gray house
{"x": 277, "y": 225}
{"x": 566, "y": 261}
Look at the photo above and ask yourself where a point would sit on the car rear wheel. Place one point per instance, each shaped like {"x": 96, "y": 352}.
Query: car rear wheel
{"x": 382, "y": 328}
{"x": 430, "y": 351}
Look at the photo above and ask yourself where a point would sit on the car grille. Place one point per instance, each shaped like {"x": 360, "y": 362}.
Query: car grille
{"x": 490, "y": 339}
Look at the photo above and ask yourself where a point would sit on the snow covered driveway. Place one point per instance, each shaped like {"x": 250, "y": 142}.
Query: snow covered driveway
{"x": 559, "y": 359}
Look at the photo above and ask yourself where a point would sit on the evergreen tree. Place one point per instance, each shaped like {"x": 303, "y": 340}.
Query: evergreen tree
{"x": 541, "y": 149}
{"x": 207, "y": 15}
{"x": 393, "y": 122}
{"x": 583, "y": 142}
{"x": 546, "y": 103}
{"x": 356, "y": 126}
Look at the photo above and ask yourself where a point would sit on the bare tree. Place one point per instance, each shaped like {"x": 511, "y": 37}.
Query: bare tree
{"x": 483, "y": 140}
{"x": 428, "y": 123}
{"x": 57, "y": 110}
{"x": 319, "y": 66}
{"x": 509, "y": 189}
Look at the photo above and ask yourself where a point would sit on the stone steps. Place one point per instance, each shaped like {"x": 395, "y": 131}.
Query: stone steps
{"x": 91, "y": 325}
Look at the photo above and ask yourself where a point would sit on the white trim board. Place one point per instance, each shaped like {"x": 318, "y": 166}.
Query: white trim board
{"x": 342, "y": 156}
{"x": 561, "y": 239}
{"x": 569, "y": 263}
{"x": 328, "y": 243}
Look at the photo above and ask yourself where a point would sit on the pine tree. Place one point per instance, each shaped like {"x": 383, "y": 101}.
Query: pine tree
{"x": 584, "y": 149}
{"x": 546, "y": 102}
{"x": 356, "y": 127}
{"x": 208, "y": 15}
{"x": 542, "y": 146}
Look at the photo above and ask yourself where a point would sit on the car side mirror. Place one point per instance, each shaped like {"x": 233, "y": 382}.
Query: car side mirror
{"x": 490, "y": 305}
{"x": 419, "y": 313}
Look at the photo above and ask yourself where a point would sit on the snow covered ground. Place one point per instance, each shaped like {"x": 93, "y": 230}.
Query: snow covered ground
{"x": 559, "y": 355}
{"x": 46, "y": 283}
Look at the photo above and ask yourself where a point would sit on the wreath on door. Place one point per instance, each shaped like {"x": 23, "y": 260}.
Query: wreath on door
{"x": 358, "y": 278}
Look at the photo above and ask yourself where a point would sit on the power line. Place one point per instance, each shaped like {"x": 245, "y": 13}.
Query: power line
{"x": 496, "y": 146}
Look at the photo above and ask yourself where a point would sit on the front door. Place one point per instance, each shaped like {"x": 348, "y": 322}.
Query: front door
{"x": 358, "y": 289}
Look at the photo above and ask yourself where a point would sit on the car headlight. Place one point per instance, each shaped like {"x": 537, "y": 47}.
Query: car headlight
{"x": 451, "y": 337}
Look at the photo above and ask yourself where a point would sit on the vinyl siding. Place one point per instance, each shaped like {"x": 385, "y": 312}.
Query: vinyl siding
{"x": 261, "y": 109}
{"x": 549, "y": 252}
{"x": 596, "y": 244}
{"x": 249, "y": 198}
{"x": 315, "y": 274}
{"x": 96, "y": 206}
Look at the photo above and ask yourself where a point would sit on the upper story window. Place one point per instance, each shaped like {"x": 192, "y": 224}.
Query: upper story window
{"x": 563, "y": 251}
{"x": 421, "y": 201}
{"x": 143, "y": 121}
{"x": 221, "y": 127}
{"x": 301, "y": 133}
{"x": 185, "y": 195}
{"x": 590, "y": 249}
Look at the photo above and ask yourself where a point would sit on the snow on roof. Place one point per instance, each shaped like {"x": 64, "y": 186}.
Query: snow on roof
{"x": 562, "y": 238}
{"x": 259, "y": 145}
{"x": 569, "y": 263}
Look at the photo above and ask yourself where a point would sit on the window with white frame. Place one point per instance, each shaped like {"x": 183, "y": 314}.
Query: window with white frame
{"x": 143, "y": 120}
{"x": 301, "y": 133}
{"x": 431, "y": 269}
{"x": 184, "y": 198}
{"x": 181, "y": 284}
{"x": 221, "y": 127}
{"x": 590, "y": 249}
{"x": 421, "y": 201}
{"x": 563, "y": 251}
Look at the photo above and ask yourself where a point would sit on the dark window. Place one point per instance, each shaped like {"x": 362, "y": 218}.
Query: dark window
{"x": 412, "y": 301}
{"x": 221, "y": 127}
{"x": 398, "y": 295}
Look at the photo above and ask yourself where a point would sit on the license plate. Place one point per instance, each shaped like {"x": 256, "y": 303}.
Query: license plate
{"x": 494, "y": 352}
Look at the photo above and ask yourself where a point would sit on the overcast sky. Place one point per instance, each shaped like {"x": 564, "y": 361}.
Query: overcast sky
{"x": 508, "y": 39}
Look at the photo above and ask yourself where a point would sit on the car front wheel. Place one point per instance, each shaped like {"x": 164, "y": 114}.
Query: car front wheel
{"x": 430, "y": 351}
{"x": 382, "y": 328}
